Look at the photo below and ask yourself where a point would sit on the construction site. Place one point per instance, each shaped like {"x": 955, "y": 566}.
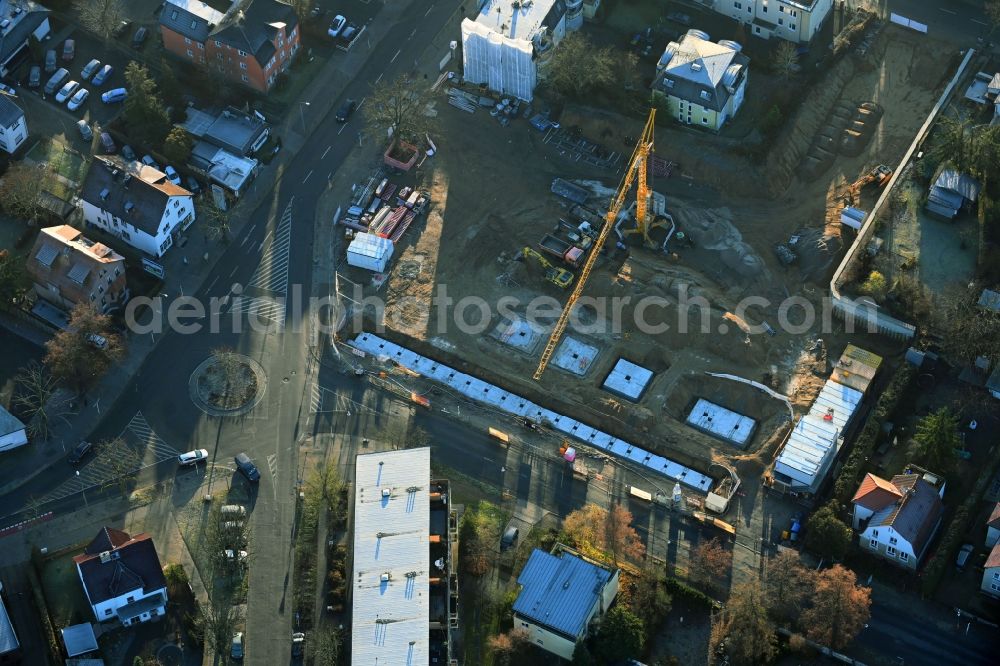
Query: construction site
{"x": 631, "y": 221}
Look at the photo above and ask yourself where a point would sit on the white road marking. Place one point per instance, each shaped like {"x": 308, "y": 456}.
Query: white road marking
{"x": 272, "y": 272}
{"x": 328, "y": 148}
{"x": 429, "y": 9}
{"x": 396, "y": 56}
{"x": 947, "y": 11}
{"x": 342, "y": 128}
{"x": 245, "y": 239}
{"x": 379, "y": 77}
{"x": 979, "y": 22}
{"x": 235, "y": 268}
{"x": 412, "y": 33}
{"x": 252, "y": 229}
{"x": 307, "y": 177}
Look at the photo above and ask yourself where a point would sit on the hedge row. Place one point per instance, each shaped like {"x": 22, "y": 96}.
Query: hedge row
{"x": 957, "y": 528}
{"x": 864, "y": 445}
{"x": 681, "y": 590}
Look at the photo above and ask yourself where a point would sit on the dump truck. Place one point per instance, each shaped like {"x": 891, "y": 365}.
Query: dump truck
{"x": 558, "y": 276}
{"x": 566, "y": 251}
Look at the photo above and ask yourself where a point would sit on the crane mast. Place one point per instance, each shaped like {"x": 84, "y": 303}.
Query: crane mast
{"x": 636, "y": 167}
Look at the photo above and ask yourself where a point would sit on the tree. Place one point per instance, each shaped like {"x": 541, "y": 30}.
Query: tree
{"x": 144, "y": 113}
{"x": 505, "y": 646}
{"x": 649, "y": 598}
{"x": 578, "y": 68}
{"x": 481, "y": 528}
{"x": 620, "y": 537}
{"x": 21, "y": 190}
{"x": 219, "y": 620}
{"x": 217, "y": 222}
{"x": 954, "y": 143}
{"x": 839, "y": 609}
{"x": 750, "y": 635}
{"x": 992, "y": 9}
{"x": 101, "y": 17}
{"x": 711, "y": 562}
{"x": 398, "y": 106}
{"x": 324, "y": 646}
{"x": 35, "y": 395}
{"x": 13, "y": 279}
{"x": 177, "y": 146}
{"x": 74, "y": 357}
{"x": 787, "y": 586}
{"x": 583, "y": 529}
{"x": 875, "y": 285}
{"x": 301, "y": 7}
{"x": 121, "y": 463}
{"x": 936, "y": 439}
{"x": 826, "y": 534}
{"x": 785, "y": 61}
{"x": 620, "y": 637}
{"x": 171, "y": 90}
{"x": 582, "y": 656}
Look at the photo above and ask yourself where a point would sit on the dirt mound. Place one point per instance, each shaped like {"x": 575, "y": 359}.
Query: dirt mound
{"x": 713, "y": 229}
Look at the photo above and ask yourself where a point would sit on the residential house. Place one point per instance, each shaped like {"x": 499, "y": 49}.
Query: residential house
{"x": 221, "y": 167}
{"x": 991, "y": 573}
{"x": 13, "y": 128}
{"x": 239, "y": 133}
{"x": 993, "y": 527}
{"x": 562, "y": 592}
{"x": 12, "y": 432}
{"x": 21, "y": 20}
{"x": 701, "y": 82}
{"x": 67, "y": 269}
{"x": 248, "y": 41}
{"x": 10, "y": 646}
{"x": 797, "y": 21}
{"x": 897, "y": 518}
{"x": 951, "y": 192}
{"x": 122, "y": 577}
{"x": 136, "y": 203}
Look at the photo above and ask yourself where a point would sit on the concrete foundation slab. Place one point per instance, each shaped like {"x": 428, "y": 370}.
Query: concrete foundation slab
{"x": 722, "y": 423}
{"x": 628, "y": 380}
{"x": 574, "y": 356}
{"x": 518, "y": 334}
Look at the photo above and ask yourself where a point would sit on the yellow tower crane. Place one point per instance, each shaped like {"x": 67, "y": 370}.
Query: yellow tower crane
{"x": 636, "y": 167}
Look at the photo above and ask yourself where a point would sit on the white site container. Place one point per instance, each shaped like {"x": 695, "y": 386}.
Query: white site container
{"x": 370, "y": 252}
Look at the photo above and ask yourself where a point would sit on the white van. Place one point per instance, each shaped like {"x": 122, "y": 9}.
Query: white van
{"x": 232, "y": 511}
{"x": 56, "y": 81}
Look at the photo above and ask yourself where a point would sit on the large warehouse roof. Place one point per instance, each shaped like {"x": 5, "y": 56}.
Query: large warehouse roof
{"x": 391, "y": 578}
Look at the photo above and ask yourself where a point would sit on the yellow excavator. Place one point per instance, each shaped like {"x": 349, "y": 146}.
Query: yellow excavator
{"x": 557, "y": 276}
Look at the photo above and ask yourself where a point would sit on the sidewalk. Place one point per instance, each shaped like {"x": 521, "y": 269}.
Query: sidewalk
{"x": 24, "y": 465}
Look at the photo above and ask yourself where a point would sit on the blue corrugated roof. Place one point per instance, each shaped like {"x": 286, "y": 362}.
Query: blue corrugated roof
{"x": 559, "y": 592}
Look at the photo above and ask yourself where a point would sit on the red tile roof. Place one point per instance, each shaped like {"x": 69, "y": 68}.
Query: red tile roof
{"x": 994, "y": 520}
{"x": 876, "y": 493}
{"x": 994, "y": 559}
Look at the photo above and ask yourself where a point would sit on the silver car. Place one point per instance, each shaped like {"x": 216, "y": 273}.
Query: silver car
{"x": 86, "y": 133}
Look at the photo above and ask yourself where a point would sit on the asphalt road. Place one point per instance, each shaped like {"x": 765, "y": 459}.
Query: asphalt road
{"x": 952, "y": 20}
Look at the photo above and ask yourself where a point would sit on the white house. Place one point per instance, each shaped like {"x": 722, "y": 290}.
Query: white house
{"x": 993, "y": 527}
{"x": 122, "y": 577}
{"x": 21, "y": 20}
{"x": 12, "y": 431}
{"x": 13, "y": 128}
{"x": 991, "y": 573}
{"x": 794, "y": 20}
{"x": 136, "y": 203}
{"x": 561, "y": 594}
{"x": 898, "y": 518}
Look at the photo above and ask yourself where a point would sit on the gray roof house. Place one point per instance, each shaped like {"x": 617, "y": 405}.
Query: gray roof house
{"x": 951, "y": 192}
{"x": 237, "y": 132}
{"x": 13, "y": 433}
{"x": 26, "y": 18}
{"x": 13, "y": 128}
{"x": 10, "y": 647}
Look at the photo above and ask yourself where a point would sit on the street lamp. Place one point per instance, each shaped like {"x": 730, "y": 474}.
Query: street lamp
{"x": 84, "y": 491}
{"x": 302, "y": 115}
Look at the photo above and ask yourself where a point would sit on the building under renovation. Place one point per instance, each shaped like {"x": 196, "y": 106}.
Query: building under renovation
{"x": 511, "y": 40}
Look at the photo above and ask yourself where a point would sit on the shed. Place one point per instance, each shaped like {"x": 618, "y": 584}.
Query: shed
{"x": 12, "y": 432}
{"x": 79, "y": 639}
{"x": 852, "y": 217}
{"x": 370, "y": 252}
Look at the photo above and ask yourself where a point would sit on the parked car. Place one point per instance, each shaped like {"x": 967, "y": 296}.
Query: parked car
{"x": 349, "y": 33}
{"x": 678, "y": 17}
{"x": 102, "y": 76}
{"x": 336, "y": 26}
{"x": 139, "y": 37}
{"x": 193, "y": 457}
{"x": 236, "y": 649}
{"x": 69, "y": 50}
{"x": 122, "y": 28}
{"x": 90, "y": 68}
{"x": 78, "y": 100}
{"x": 8, "y": 90}
{"x": 232, "y": 555}
{"x": 128, "y": 153}
{"x": 193, "y": 186}
{"x": 345, "y": 111}
{"x": 80, "y": 451}
{"x": 150, "y": 162}
{"x": 86, "y": 133}
{"x": 107, "y": 143}
{"x": 35, "y": 77}
{"x": 963, "y": 556}
{"x": 67, "y": 91}
{"x": 55, "y": 81}
{"x": 114, "y": 95}
{"x": 172, "y": 175}
{"x": 232, "y": 511}
{"x": 247, "y": 468}
{"x": 298, "y": 644}
{"x": 795, "y": 527}
{"x": 50, "y": 61}
{"x": 509, "y": 538}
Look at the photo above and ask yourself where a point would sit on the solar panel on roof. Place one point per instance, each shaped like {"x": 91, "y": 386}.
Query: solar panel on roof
{"x": 47, "y": 254}
{"x": 79, "y": 273}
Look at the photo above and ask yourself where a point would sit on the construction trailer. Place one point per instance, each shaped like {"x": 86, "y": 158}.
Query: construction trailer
{"x": 370, "y": 252}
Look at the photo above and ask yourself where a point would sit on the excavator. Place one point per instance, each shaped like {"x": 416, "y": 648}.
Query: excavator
{"x": 557, "y": 276}
{"x": 878, "y": 175}
{"x": 636, "y": 167}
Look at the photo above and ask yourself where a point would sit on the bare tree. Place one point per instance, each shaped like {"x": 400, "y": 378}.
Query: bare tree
{"x": 324, "y": 647}
{"x": 750, "y": 635}
{"x": 219, "y": 619}
{"x": 13, "y": 279}
{"x": 81, "y": 354}
{"x": 217, "y": 222}
{"x": 21, "y": 190}
{"x": 785, "y": 61}
{"x": 711, "y": 562}
{"x": 102, "y": 17}
{"x": 35, "y": 394}
{"x": 398, "y": 108}
{"x": 787, "y": 586}
{"x": 121, "y": 461}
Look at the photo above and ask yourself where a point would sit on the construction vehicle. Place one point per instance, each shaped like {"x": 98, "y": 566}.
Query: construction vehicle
{"x": 569, "y": 454}
{"x": 879, "y": 175}
{"x": 581, "y": 235}
{"x": 558, "y": 276}
{"x": 636, "y": 166}
{"x": 564, "y": 250}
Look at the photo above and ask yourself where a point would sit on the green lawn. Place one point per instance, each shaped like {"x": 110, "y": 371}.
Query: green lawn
{"x": 64, "y": 592}
{"x": 62, "y": 159}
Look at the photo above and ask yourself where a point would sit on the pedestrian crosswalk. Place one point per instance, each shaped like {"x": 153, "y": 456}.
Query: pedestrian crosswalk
{"x": 272, "y": 272}
{"x": 261, "y": 308}
{"x": 137, "y": 435}
{"x": 323, "y": 400}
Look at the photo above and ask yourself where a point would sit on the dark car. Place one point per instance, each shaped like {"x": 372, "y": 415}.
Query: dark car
{"x": 345, "y": 111}
{"x": 81, "y": 451}
{"x": 236, "y": 647}
{"x": 128, "y": 153}
{"x": 107, "y": 143}
{"x": 247, "y": 468}
{"x": 509, "y": 538}
{"x": 122, "y": 28}
{"x": 69, "y": 50}
{"x": 35, "y": 77}
{"x": 139, "y": 37}
{"x": 680, "y": 18}
{"x": 193, "y": 186}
